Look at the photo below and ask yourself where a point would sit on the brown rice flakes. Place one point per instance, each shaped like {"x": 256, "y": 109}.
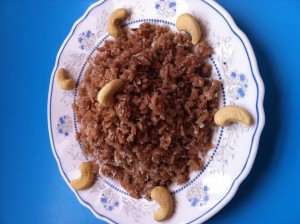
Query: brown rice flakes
{"x": 160, "y": 127}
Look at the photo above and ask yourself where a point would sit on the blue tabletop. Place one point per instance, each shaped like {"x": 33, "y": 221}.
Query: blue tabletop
{"x": 32, "y": 189}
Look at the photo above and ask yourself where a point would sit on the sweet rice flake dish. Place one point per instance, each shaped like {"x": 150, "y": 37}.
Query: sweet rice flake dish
{"x": 160, "y": 126}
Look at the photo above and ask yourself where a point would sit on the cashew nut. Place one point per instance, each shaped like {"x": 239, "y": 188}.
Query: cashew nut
{"x": 188, "y": 23}
{"x": 63, "y": 81}
{"x": 106, "y": 94}
{"x": 114, "y": 19}
{"x": 163, "y": 197}
{"x": 86, "y": 178}
{"x": 229, "y": 114}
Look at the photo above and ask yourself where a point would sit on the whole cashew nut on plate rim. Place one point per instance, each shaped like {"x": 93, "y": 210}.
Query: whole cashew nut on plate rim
{"x": 114, "y": 19}
{"x": 63, "y": 81}
{"x": 164, "y": 198}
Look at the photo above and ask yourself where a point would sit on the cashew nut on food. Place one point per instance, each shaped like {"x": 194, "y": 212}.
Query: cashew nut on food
{"x": 63, "y": 81}
{"x": 106, "y": 94}
{"x": 187, "y": 22}
{"x": 86, "y": 178}
{"x": 114, "y": 19}
{"x": 229, "y": 114}
{"x": 164, "y": 198}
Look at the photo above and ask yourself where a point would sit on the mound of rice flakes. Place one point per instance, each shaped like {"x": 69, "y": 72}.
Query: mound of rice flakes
{"x": 161, "y": 124}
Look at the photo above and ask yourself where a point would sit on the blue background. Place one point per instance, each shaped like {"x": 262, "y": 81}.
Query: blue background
{"x": 32, "y": 189}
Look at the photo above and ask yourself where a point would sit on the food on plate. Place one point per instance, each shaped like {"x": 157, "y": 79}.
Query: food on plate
{"x": 146, "y": 108}
{"x": 187, "y": 22}
{"x": 165, "y": 200}
{"x": 228, "y": 114}
{"x": 63, "y": 81}
{"x": 114, "y": 19}
{"x": 161, "y": 123}
{"x": 86, "y": 178}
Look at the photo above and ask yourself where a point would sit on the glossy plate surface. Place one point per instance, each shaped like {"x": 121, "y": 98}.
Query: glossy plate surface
{"x": 227, "y": 164}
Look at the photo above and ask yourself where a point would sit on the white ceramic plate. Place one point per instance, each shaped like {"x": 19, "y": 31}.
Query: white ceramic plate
{"x": 227, "y": 164}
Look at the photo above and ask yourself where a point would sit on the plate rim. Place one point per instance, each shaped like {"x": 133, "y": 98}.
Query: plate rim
{"x": 258, "y": 106}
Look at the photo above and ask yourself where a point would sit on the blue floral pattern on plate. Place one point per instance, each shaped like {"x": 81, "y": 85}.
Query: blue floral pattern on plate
{"x": 86, "y": 40}
{"x": 64, "y": 125}
{"x": 166, "y": 8}
{"x": 109, "y": 200}
{"x": 198, "y": 195}
{"x": 237, "y": 86}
